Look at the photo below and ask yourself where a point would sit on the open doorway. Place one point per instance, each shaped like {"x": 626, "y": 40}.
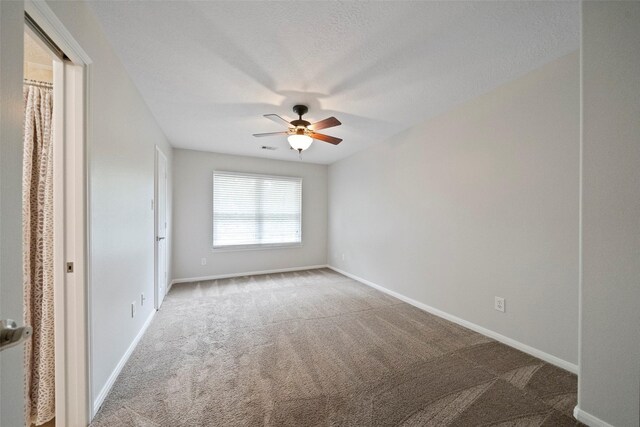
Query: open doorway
{"x": 38, "y": 228}
{"x": 54, "y": 228}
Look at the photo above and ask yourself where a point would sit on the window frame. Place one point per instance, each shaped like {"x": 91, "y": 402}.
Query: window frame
{"x": 254, "y": 246}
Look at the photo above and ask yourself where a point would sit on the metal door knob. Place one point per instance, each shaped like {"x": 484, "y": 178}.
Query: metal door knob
{"x": 12, "y": 335}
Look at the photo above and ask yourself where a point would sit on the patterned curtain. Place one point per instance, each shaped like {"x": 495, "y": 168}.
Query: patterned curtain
{"x": 37, "y": 226}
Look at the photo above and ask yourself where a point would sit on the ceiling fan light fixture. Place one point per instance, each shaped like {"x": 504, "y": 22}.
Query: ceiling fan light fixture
{"x": 300, "y": 142}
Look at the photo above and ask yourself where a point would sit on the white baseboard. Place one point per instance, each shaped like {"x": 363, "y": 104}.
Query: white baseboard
{"x": 588, "y": 419}
{"x": 247, "y": 273}
{"x": 114, "y": 375}
{"x": 484, "y": 331}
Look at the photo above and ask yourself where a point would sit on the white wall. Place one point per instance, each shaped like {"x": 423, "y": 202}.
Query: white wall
{"x": 609, "y": 382}
{"x": 479, "y": 202}
{"x": 193, "y": 216}
{"x": 121, "y": 141}
{"x": 11, "y": 127}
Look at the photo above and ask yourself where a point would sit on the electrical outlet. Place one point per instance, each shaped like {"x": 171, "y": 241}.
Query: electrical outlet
{"x": 142, "y": 299}
{"x": 343, "y": 256}
{"x": 499, "y": 304}
{"x": 133, "y": 309}
{"x": 203, "y": 261}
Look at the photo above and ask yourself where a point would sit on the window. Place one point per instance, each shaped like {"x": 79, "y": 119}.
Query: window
{"x": 256, "y": 210}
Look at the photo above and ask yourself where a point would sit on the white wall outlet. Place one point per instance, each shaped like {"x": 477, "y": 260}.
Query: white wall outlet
{"x": 499, "y": 304}
{"x": 343, "y": 256}
{"x": 203, "y": 261}
{"x": 142, "y": 299}
{"x": 133, "y": 309}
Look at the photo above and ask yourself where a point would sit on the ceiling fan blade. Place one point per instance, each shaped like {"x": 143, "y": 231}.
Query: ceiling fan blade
{"x": 276, "y": 118}
{"x": 326, "y": 123}
{"x": 269, "y": 134}
{"x": 326, "y": 138}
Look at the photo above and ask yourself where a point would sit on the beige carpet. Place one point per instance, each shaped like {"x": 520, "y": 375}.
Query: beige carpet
{"x": 315, "y": 348}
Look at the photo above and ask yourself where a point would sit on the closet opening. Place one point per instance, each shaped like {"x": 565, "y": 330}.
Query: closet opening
{"x": 38, "y": 228}
{"x": 54, "y": 231}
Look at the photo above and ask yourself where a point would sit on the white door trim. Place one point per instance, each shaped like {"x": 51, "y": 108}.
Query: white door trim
{"x": 73, "y": 399}
{"x": 59, "y": 255}
{"x": 76, "y": 306}
{"x": 53, "y": 27}
{"x": 158, "y": 298}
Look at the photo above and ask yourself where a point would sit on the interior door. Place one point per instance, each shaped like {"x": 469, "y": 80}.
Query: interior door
{"x": 161, "y": 227}
{"x": 11, "y": 127}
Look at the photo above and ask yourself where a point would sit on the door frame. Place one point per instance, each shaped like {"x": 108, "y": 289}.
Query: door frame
{"x": 156, "y": 289}
{"x": 72, "y": 289}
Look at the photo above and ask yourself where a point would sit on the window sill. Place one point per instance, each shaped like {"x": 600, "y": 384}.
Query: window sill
{"x": 256, "y": 247}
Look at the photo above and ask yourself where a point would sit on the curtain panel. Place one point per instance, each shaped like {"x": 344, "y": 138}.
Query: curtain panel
{"x": 37, "y": 222}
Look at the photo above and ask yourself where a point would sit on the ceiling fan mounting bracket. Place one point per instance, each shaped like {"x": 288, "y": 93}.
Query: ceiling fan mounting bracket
{"x": 300, "y": 110}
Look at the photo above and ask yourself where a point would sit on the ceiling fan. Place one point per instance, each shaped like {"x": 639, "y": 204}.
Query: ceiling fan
{"x": 300, "y": 132}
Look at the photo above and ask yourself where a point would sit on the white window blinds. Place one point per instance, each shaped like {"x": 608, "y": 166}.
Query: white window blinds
{"x": 251, "y": 210}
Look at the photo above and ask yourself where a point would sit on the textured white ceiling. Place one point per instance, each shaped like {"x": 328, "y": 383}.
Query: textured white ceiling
{"x": 210, "y": 70}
